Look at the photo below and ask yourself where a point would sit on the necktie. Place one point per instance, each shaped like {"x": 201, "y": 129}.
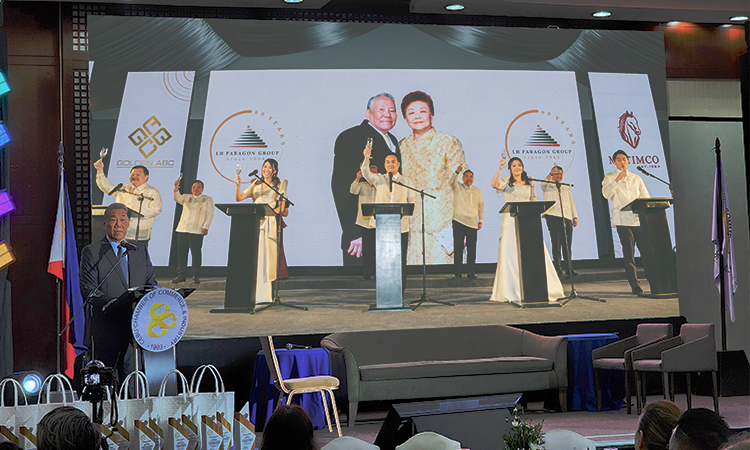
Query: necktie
{"x": 123, "y": 264}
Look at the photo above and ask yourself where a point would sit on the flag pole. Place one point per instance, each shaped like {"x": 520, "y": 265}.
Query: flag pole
{"x": 720, "y": 253}
{"x": 57, "y": 280}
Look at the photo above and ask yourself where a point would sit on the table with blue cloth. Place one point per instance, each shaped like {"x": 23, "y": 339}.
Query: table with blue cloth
{"x": 581, "y": 385}
{"x": 296, "y": 363}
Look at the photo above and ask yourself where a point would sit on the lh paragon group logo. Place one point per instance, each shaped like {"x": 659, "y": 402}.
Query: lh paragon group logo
{"x": 245, "y": 138}
{"x": 541, "y": 138}
{"x": 149, "y": 136}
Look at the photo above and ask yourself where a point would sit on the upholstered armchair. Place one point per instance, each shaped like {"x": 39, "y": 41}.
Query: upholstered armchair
{"x": 694, "y": 350}
{"x": 617, "y": 356}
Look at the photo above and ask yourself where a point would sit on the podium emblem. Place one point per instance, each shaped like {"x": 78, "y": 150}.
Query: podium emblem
{"x": 159, "y": 320}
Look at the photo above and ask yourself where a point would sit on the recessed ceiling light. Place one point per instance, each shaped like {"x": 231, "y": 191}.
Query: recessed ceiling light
{"x": 602, "y": 14}
{"x": 674, "y": 23}
{"x": 454, "y": 7}
{"x": 292, "y": 1}
{"x": 739, "y": 18}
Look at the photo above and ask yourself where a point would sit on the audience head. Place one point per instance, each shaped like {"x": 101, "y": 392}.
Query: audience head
{"x": 656, "y": 424}
{"x": 67, "y": 428}
{"x": 289, "y": 428}
{"x": 699, "y": 429}
{"x": 9, "y": 446}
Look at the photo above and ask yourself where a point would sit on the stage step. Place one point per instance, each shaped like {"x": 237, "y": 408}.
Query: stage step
{"x": 413, "y": 281}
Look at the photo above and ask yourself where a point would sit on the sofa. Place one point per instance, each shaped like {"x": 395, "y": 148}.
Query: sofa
{"x": 445, "y": 362}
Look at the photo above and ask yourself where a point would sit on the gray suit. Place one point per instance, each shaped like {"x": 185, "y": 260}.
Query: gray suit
{"x": 111, "y": 329}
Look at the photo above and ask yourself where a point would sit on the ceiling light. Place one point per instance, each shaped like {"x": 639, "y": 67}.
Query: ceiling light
{"x": 602, "y": 14}
{"x": 292, "y": 1}
{"x": 738, "y": 18}
{"x": 455, "y": 7}
{"x": 674, "y": 23}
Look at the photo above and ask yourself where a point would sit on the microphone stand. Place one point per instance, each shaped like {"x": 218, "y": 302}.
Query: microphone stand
{"x": 279, "y": 230}
{"x": 423, "y": 298}
{"x": 566, "y": 248}
{"x": 669, "y": 185}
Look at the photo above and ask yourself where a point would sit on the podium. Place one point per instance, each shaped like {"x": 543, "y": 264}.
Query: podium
{"x": 531, "y": 264}
{"x": 657, "y": 254}
{"x": 97, "y": 218}
{"x": 242, "y": 264}
{"x": 388, "y": 276}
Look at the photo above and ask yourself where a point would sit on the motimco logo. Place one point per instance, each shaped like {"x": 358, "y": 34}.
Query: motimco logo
{"x": 246, "y": 139}
{"x": 630, "y": 131}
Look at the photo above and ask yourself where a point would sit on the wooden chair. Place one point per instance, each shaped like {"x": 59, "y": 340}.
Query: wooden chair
{"x": 292, "y": 386}
{"x": 694, "y": 350}
{"x": 617, "y": 356}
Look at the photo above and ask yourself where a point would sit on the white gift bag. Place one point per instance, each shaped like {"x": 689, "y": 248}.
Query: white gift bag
{"x": 165, "y": 407}
{"x": 68, "y": 396}
{"x": 219, "y": 405}
{"x": 18, "y": 421}
{"x": 131, "y": 410}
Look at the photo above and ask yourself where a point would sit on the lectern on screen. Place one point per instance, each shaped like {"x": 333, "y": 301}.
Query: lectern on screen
{"x": 531, "y": 263}
{"x": 657, "y": 255}
{"x": 388, "y": 276}
{"x": 242, "y": 264}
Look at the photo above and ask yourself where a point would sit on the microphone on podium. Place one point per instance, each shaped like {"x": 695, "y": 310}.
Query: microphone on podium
{"x": 117, "y": 188}
{"x": 128, "y": 245}
{"x": 253, "y": 173}
{"x": 642, "y": 170}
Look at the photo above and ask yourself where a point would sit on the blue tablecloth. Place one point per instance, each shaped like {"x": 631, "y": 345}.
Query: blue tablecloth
{"x": 581, "y": 385}
{"x": 297, "y": 363}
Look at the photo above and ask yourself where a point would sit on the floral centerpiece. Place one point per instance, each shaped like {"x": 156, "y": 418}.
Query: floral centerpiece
{"x": 524, "y": 435}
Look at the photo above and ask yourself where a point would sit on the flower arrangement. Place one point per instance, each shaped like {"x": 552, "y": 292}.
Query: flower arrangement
{"x": 524, "y": 435}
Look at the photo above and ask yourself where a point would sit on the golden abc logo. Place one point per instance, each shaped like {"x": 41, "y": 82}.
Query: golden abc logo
{"x": 160, "y": 314}
{"x": 146, "y": 140}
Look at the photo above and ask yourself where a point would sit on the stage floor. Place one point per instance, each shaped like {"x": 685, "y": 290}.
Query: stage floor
{"x": 345, "y": 309}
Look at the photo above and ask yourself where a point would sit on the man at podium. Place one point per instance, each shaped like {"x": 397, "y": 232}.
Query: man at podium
{"x": 110, "y": 327}
{"x": 386, "y": 191}
{"x": 620, "y": 188}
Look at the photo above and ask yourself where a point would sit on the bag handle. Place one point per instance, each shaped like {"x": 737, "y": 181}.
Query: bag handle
{"x": 218, "y": 381}
{"x": 62, "y": 384}
{"x": 185, "y": 386}
{"x": 141, "y": 381}
{"x": 17, "y": 387}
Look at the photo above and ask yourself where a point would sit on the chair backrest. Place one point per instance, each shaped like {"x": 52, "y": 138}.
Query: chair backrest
{"x": 647, "y": 332}
{"x": 349, "y": 443}
{"x": 266, "y": 343}
{"x": 690, "y": 332}
{"x": 428, "y": 440}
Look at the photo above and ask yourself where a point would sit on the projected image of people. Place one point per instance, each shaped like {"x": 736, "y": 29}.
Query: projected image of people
{"x": 516, "y": 187}
{"x": 429, "y": 158}
{"x": 261, "y": 193}
{"x": 374, "y": 131}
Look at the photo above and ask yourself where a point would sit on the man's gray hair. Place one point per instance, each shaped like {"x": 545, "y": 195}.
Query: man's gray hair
{"x": 382, "y": 94}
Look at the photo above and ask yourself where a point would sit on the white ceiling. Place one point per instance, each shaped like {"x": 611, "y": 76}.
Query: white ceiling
{"x": 660, "y": 11}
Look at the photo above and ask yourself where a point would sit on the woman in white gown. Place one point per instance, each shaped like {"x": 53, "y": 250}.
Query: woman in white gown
{"x": 260, "y": 193}
{"x": 516, "y": 187}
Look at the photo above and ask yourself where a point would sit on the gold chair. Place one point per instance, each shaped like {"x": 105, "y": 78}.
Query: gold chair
{"x": 291, "y": 386}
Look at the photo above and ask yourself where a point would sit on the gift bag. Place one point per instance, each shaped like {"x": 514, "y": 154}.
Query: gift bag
{"x": 218, "y": 405}
{"x": 18, "y": 422}
{"x": 68, "y": 396}
{"x": 131, "y": 410}
{"x": 165, "y": 407}
{"x": 243, "y": 433}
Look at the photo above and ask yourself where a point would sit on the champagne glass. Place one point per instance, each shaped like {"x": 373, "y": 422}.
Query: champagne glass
{"x": 238, "y": 169}
{"x": 369, "y": 146}
{"x": 179, "y": 178}
{"x": 103, "y": 152}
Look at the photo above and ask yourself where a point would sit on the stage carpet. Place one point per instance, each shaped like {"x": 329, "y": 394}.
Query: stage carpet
{"x": 340, "y": 304}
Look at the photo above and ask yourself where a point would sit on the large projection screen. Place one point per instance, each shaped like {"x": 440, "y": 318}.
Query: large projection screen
{"x": 297, "y": 85}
